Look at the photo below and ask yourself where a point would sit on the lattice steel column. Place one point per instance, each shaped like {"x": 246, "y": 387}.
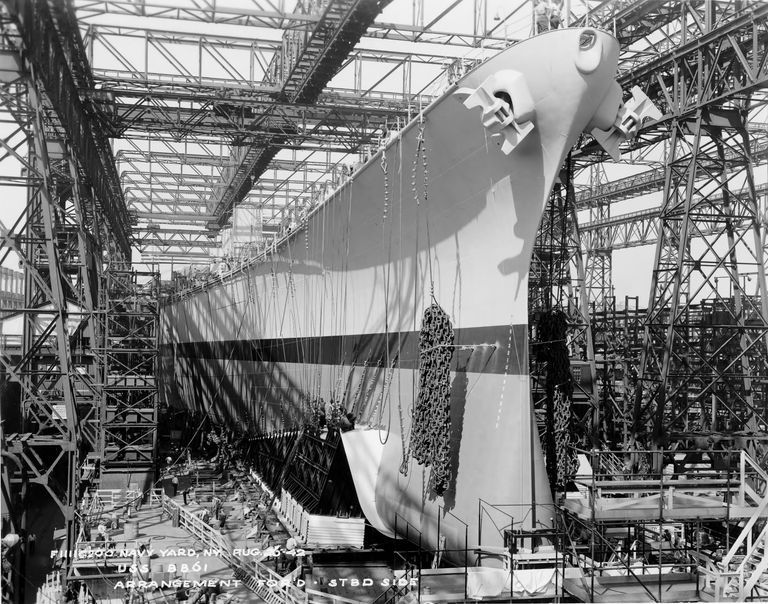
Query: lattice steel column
{"x": 703, "y": 366}
{"x": 48, "y": 444}
{"x": 556, "y": 284}
{"x": 130, "y": 350}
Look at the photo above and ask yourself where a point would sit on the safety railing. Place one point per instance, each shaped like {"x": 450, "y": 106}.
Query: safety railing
{"x": 319, "y": 597}
{"x": 400, "y": 588}
{"x": 725, "y": 473}
{"x": 738, "y": 573}
{"x": 51, "y": 590}
{"x": 259, "y": 578}
{"x": 599, "y": 546}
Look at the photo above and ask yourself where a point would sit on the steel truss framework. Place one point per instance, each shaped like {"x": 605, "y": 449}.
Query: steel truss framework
{"x": 74, "y": 220}
{"x": 236, "y": 89}
{"x": 554, "y": 286}
{"x": 203, "y": 117}
{"x": 129, "y": 312}
{"x": 61, "y": 71}
{"x": 55, "y": 241}
{"x": 705, "y": 368}
{"x": 715, "y": 60}
{"x": 711, "y": 60}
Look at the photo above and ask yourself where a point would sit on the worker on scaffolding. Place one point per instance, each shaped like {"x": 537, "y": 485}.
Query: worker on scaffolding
{"x": 546, "y": 14}
{"x": 216, "y": 504}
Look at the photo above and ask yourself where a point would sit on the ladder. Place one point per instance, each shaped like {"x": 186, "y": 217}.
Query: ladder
{"x": 740, "y": 575}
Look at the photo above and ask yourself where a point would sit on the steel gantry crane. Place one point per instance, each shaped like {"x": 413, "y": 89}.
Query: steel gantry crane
{"x": 702, "y": 70}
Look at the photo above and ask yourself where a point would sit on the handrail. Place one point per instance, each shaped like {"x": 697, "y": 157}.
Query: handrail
{"x": 332, "y": 597}
{"x": 746, "y": 462}
{"x": 576, "y": 557}
{"x": 625, "y": 563}
{"x": 746, "y": 532}
{"x": 743, "y": 566}
{"x": 393, "y": 592}
{"x": 266, "y": 578}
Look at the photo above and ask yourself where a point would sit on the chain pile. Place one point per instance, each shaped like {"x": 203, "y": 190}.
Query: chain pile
{"x": 316, "y": 413}
{"x": 551, "y": 349}
{"x": 431, "y": 428}
{"x": 567, "y": 462}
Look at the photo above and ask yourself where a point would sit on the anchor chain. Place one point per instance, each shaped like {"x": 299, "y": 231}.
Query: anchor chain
{"x": 567, "y": 462}
{"x": 359, "y": 390}
{"x": 431, "y": 426}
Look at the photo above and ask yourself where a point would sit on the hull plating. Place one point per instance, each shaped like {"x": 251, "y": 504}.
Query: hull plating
{"x": 335, "y": 311}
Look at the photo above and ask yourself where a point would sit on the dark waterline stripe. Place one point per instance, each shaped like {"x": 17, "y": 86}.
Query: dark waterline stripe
{"x": 489, "y": 349}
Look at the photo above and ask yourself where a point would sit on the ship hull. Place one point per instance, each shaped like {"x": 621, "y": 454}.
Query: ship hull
{"x": 334, "y": 312}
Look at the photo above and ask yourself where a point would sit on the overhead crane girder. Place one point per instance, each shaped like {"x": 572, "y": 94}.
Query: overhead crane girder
{"x": 311, "y": 59}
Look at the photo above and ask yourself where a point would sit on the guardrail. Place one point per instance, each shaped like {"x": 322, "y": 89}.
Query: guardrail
{"x": 318, "y": 597}
{"x": 259, "y": 578}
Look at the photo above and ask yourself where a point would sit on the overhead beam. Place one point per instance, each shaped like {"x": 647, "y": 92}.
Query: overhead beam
{"x": 723, "y": 66}
{"x": 42, "y": 47}
{"x": 301, "y": 126}
{"x": 631, "y": 20}
{"x": 269, "y": 18}
{"x": 312, "y": 59}
{"x": 652, "y": 181}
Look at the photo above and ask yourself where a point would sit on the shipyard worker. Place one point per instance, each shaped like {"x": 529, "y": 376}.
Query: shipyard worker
{"x": 216, "y": 501}
{"x": 70, "y": 597}
{"x": 322, "y": 420}
{"x": 350, "y": 423}
{"x": 174, "y": 485}
{"x": 101, "y": 532}
{"x": 547, "y": 15}
{"x": 10, "y": 540}
{"x": 209, "y": 593}
{"x": 291, "y": 544}
{"x": 703, "y": 538}
{"x": 555, "y": 16}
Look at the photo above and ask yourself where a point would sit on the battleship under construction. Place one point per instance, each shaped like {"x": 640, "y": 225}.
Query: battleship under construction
{"x": 408, "y": 379}
{"x": 401, "y": 300}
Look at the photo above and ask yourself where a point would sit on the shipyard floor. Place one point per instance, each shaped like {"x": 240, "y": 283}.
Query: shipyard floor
{"x": 251, "y": 525}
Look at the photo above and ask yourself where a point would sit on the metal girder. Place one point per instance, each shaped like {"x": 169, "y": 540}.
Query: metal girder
{"x": 198, "y": 183}
{"x": 177, "y": 256}
{"x": 139, "y": 156}
{"x": 642, "y": 228}
{"x": 265, "y": 15}
{"x": 56, "y": 239}
{"x": 653, "y": 180}
{"x": 705, "y": 370}
{"x": 631, "y": 20}
{"x": 715, "y": 58}
{"x": 178, "y": 239}
{"x": 41, "y": 45}
{"x": 250, "y": 13}
{"x": 722, "y": 65}
{"x": 311, "y": 59}
{"x": 130, "y": 316}
{"x": 556, "y": 284}
{"x": 299, "y": 127}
